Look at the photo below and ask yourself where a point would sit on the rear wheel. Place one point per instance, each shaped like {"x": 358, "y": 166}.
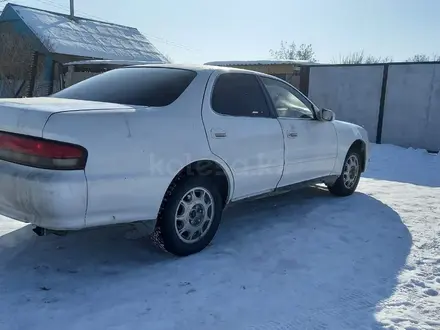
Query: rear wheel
{"x": 348, "y": 181}
{"x": 190, "y": 216}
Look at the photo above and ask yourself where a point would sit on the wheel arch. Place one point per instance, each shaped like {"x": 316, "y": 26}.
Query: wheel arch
{"x": 207, "y": 167}
{"x": 360, "y": 146}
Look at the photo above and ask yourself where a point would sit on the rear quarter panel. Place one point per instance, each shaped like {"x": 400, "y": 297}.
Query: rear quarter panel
{"x": 134, "y": 154}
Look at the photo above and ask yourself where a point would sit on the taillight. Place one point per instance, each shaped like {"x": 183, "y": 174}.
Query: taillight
{"x": 41, "y": 153}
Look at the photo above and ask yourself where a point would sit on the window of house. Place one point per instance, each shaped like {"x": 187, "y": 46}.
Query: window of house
{"x": 287, "y": 102}
{"x": 239, "y": 94}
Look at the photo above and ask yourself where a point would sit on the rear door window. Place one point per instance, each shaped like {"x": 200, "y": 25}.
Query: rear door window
{"x": 239, "y": 94}
{"x": 145, "y": 86}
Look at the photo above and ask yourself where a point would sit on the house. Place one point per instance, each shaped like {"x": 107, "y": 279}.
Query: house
{"x": 288, "y": 70}
{"x": 35, "y": 44}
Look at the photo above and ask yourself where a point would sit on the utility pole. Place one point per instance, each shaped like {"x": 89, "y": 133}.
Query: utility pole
{"x": 72, "y": 9}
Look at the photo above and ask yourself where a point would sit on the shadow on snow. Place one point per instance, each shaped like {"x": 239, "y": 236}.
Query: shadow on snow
{"x": 302, "y": 260}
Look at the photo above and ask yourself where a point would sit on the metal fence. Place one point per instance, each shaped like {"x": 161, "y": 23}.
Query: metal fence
{"x": 398, "y": 103}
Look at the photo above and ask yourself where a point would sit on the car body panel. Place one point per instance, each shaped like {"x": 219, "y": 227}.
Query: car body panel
{"x": 29, "y": 115}
{"x": 135, "y": 152}
{"x": 311, "y": 152}
{"x": 349, "y": 133}
{"x": 46, "y": 198}
{"x": 253, "y": 147}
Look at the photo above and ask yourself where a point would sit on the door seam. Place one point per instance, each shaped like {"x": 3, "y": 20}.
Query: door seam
{"x": 207, "y": 138}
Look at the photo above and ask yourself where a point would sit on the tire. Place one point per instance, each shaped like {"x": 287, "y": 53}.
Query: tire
{"x": 195, "y": 231}
{"x": 348, "y": 181}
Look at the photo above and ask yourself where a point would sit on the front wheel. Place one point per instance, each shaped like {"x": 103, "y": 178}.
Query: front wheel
{"x": 348, "y": 181}
{"x": 190, "y": 215}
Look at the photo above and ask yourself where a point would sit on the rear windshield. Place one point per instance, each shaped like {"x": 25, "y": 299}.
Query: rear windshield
{"x": 153, "y": 87}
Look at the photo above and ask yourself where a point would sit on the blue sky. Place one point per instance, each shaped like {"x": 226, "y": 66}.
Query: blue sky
{"x": 198, "y": 31}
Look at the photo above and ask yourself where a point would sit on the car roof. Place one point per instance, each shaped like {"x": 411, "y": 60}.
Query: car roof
{"x": 201, "y": 67}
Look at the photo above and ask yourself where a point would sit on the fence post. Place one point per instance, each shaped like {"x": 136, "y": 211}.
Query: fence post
{"x": 382, "y": 104}
{"x": 304, "y": 78}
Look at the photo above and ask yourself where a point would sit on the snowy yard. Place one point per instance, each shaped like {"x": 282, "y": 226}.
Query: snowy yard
{"x": 303, "y": 260}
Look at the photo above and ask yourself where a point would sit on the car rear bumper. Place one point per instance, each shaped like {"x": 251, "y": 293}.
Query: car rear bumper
{"x": 50, "y": 199}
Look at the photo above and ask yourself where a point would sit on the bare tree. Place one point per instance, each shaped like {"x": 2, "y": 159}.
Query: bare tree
{"x": 15, "y": 60}
{"x": 292, "y": 52}
{"x": 361, "y": 58}
{"x": 423, "y": 58}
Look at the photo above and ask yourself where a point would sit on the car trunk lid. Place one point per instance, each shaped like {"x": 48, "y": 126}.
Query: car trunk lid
{"x": 29, "y": 115}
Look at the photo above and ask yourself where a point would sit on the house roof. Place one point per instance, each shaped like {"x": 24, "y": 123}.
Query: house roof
{"x": 103, "y": 65}
{"x": 260, "y": 62}
{"x": 109, "y": 62}
{"x": 84, "y": 37}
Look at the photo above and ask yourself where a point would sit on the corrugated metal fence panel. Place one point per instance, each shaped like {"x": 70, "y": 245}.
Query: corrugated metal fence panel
{"x": 412, "y": 106}
{"x": 353, "y": 93}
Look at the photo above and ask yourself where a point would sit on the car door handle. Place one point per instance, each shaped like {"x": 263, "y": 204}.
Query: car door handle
{"x": 217, "y": 133}
{"x": 292, "y": 135}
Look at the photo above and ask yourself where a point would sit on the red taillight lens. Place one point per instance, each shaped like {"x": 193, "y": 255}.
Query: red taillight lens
{"x": 41, "y": 153}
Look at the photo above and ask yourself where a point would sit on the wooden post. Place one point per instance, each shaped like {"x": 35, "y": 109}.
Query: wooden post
{"x": 52, "y": 77}
{"x": 32, "y": 75}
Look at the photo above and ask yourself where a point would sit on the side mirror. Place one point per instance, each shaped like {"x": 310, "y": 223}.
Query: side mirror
{"x": 327, "y": 114}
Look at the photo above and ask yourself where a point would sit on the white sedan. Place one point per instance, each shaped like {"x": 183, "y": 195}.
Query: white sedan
{"x": 171, "y": 144}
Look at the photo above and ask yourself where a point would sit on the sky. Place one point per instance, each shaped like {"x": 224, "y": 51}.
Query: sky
{"x": 197, "y": 31}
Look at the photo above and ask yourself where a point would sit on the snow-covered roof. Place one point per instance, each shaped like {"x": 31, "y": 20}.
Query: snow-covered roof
{"x": 87, "y": 38}
{"x": 260, "y": 62}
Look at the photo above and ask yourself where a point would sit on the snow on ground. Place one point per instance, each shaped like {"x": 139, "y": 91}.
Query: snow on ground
{"x": 302, "y": 260}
